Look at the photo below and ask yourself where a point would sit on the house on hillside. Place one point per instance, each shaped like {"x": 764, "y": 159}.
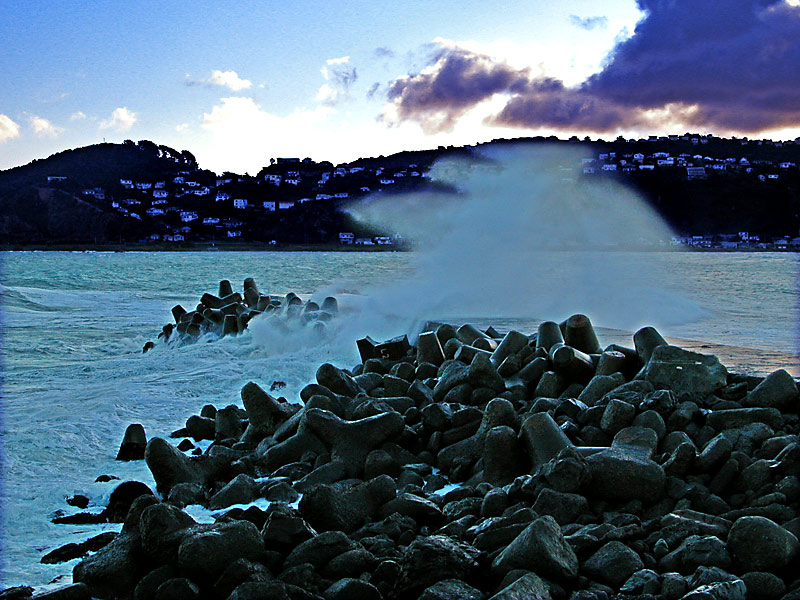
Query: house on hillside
{"x": 222, "y": 197}
{"x": 126, "y": 183}
{"x": 269, "y": 205}
{"x": 346, "y": 238}
{"x": 285, "y": 204}
{"x": 240, "y": 203}
{"x": 160, "y": 193}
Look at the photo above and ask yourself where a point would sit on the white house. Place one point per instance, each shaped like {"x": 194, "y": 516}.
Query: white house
{"x": 234, "y": 234}
{"x": 339, "y": 172}
{"x": 387, "y": 181}
{"x": 143, "y": 186}
{"x": 159, "y": 201}
{"x": 56, "y": 178}
{"x": 239, "y": 203}
{"x": 383, "y": 240}
{"x": 178, "y": 179}
{"x": 160, "y": 185}
{"x": 201, "y": 191}
{"x": 269, "y": 205}
{"x": 115, "y": 204}
{"x": 588, "y": 170}
{"x": 222, "y": 197}
{"x": 177, "y": 237}
{"x": 154, "y": 211}
{"x": 273, "y": 179}
{"x": 364, "y": 242}
{"x": 638, "y": 157}
{"x": 787, "y": 165}
{"x": 160, "y": 193}
{"x": 609, "y": 167}
{"x": 346, "y": 238}
{"x": 365, "y": 189}
{"x": 187, "y": 216}
{"x": 647, "y": 167}
{"x": 324, "y": 196}
{"x": 293, "y": 181}
{"x": 284, "y": 204}
{"x": 210, "y": 220}
{"x": 126, "y": 183}
{"x": 341, "y": 195}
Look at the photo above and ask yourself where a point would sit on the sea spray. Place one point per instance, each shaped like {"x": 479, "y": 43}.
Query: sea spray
{"x": 525, "y": 236}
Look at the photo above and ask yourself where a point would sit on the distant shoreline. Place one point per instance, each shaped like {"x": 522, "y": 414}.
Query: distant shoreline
{"x": 262, "y": 247}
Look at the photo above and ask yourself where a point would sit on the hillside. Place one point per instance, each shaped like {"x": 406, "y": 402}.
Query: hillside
{"x": 703, "y": 186}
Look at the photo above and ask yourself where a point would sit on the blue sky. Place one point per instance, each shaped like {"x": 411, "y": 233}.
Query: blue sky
{"x": 239, "y": 83}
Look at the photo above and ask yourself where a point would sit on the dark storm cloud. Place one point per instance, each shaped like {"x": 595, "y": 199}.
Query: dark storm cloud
{"x": 459, "y": 80}
{"x": 589, "y": 23}
{"x": 727, "y": 64}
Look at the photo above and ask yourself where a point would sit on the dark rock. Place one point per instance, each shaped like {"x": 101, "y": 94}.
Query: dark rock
{"x": 177, "y": 588}
{"x": 238, "y": 572}
{"x": 319, "y": 550}
{"x": 740, "y": 417}
{"x": 502, "y": 456}
{"x": 758, "y": 544}
{"x": 345, "y": 506}
{"x": 203, "y": 556}
{"x": 337, "y": 381}
{"x": 725, "y": 590}
{"x": 777, "y": 390}
{"x": 242, "y": 489}
{"x": 200, "y": 428}
{"x": 423, "y": 511}
{"x": 133, "y": 443}
{"x": 696, "y": 551}
{"x": 74, "y": 591}
{"x": 540, "y": 547}
{"x": 498, "y": 412}
{"x": 428, "y": 560}
{"x": 17, "y": 592}
{"x": 763, "y": 586}
{"x": 451, "y": 589}
{"x": 352, "y": 589}
{"x": 259, "y": 590}
{"x": 115, "y": 569}
{"x": 170, "y": 466}
{"x": 623, "y": 473}
{"x": 351, "y": 563}
{"x": 162, "y": 528}
{"x": 542, "y": 438}
{"x": 567, "y": 472}
{"x": 563, "y": 507}
{"x": 285, "y": 529}
{"x": 72, "y": 550}
{"x": 688, "y": 374}
{"x": 613, "y": 564}
{"x": 527, "y": 587}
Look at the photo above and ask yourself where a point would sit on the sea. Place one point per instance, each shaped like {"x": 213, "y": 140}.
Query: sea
{"x": 73, "y": 325}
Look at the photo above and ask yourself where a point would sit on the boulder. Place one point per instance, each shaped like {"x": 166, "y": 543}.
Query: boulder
{"x": 540, "y": 548}
{"x": 612, "y": 564}
{"x": 759, "y": 544}
{"x": 203, "y": 556}
{"x": 777, "y": 390}
{"x": 133, "y": 443}
{"x": 337, "y": 381}
{"x": 451, "y": 589}
{"x": 319, "y": 550}
{"x": 352, "y": 589}
{"x": 625, "y": 473}
{"x": 528, "y": 587}
{"x": 688, "y": 374}
{"x": 428, "y": 560}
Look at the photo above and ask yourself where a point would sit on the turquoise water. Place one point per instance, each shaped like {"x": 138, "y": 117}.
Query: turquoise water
{"x": 73, "y": 325}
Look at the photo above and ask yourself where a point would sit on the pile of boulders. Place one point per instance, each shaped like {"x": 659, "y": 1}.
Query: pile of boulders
{"x": 229, "y": 313}
{"x": 484, "y": 467}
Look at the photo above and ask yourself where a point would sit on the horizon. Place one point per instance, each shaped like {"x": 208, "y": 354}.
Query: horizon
{"x": 347, "y": 80}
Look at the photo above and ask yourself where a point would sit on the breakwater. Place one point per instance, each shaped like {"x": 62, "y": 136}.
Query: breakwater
{"x": 476, "y": 465}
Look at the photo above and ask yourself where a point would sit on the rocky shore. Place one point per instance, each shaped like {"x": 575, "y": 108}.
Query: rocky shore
{"x": 470, "y": 465}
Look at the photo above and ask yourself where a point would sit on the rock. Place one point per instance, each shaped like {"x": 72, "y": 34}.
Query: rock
{"x": 429, "y": 349}
{"x": 17, "y": 592}
{"x": 337, "y": 381}
{"x": 498, "y": 412}
{"x": 352, "y": 589}
{"x": 740, "y": 417}
{"x": 599, "y": 386}
{"x": 200, "y": 428}
{"x": 259, "y": 590}
{"x": 724, "y": 590}
{"x": 758, "y": 544}
{"x": 643, "y": 581}
{"x": 242, "y": 489}
{"x": 540, "y": 547}
{"x": 778, "y": 390}
{"x": 72, "y": 550}
{"x": 115, "y": 569}
{"x": 763, "y": 586}
{"x": 428, "y": 560}
{"x": 320, "y": 549}
{"x": 170, "y": 466}
{"x": 345, "y": 506}
{"x": 351, "y": 441}
{"x": 696, "y": 551}
{"x": 203, "y": 556}
{"x": 542, "y": 438}
{"x": 264, "y": 412}
{"x": 483, "y": 373}
{"x": 133, "y": 443}
{"x": 162, "y": 528}
{"x": 617, "y": 415}
{"x": 528, "y": 587}
{"x": 612, "y": 564}
{"x": 620, "y": 473}
{"x": 74, "y": 591}
{"x": 284, "y": 529}
{"x": 177, "y": 588}
{"x": 688, "y": 374}
{"x": 502, "y": 456}
{"x": 451, "y": 589}
{"x": 237, "y": 572}
{"x": 567, "y": 472}
{"x": 422, "y": 510}
{"x": 565, "y": 508}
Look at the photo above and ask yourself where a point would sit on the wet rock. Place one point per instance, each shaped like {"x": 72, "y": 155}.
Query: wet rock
{"x": 763, "y": 586}
{"x": 73, "y": 591}
{"x": 542, "y": 438}
{"x": 451, "y": 589}
{"x": 177, "y": 588}
{"x": 240, "y": 490}
{"x": 725, "y": 590}
{"x": 688, "y": 374}
{"x": 563, "y": 507}
{"x": 133, "y": 443}
{"x": 337, "y": 381}
{"x": 527, "y": 587}
{"x": 428, "y": 560}
{"x": 612, "y": 564}
{"x": 115, "y": 569}
{"x": 502, "y": 456}
{"x": 740, "y": 417}
{"x": 625, "y": 473}
{"x": 499, "y": 412}
{"x": 170, "y": 466}
{"x": 778, "y": 390}
{"x": 567, "y": 472}
{"x": 200, "y": 428}
{"x": 758, "y": 544}
{"x": 696, "y": 551}
{"x": 204, "y": 556}
{"x": 320, "y": 549}
{"x": 541, "y": 548}
{"x": 352, "y": 589}
{"x": 345, "y": 506}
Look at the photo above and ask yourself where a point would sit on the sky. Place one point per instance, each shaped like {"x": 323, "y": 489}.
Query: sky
{"x": 240, "y": 83}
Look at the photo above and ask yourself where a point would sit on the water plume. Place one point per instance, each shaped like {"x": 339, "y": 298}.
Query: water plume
{"x": 526, "y": 236}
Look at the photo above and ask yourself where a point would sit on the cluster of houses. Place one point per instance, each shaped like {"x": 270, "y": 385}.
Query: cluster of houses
{"x": 201, "y": 206}
{"x": 741, "y": 240}
{"x": 696, "y": 165}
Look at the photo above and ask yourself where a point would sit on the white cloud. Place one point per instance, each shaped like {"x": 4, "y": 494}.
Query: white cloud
{"x": 121, "y": 119}
{"x": 77, "y": 116}
{"x": 8, "y": 128}
{"x": 229, "y": 79}
{"x": 183, "y": 127}
{"x": 327, "y": 95}
{"x": 338, "y": 61}
{"x": 44, "y": 128}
